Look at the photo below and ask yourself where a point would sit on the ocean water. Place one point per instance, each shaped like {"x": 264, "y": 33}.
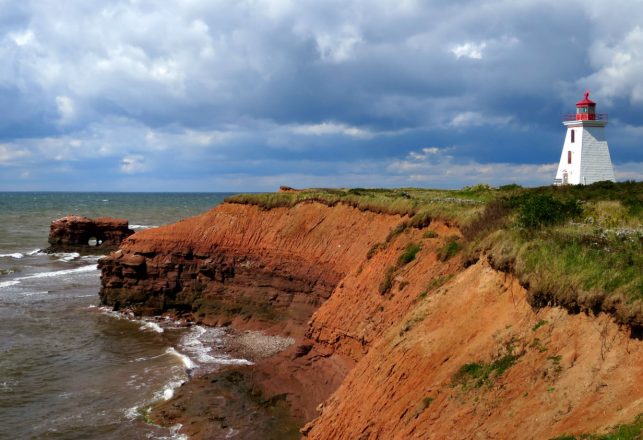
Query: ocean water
{"x": 70, "y": 369}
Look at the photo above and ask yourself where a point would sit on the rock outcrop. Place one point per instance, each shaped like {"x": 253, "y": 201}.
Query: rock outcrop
{"x": 73, "y": 232}
{"x": 385, "y": 347}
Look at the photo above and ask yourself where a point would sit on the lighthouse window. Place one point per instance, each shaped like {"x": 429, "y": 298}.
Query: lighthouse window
{"x": 572, "y": 135}
{"x": 569, "y": 156}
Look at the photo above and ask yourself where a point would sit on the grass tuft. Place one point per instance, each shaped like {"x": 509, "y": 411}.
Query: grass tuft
{"x": 479, "y": 374}
{"x": 538, "y": 325}
{"x": 450, "y": 249}
{"x": 409, "y": 254}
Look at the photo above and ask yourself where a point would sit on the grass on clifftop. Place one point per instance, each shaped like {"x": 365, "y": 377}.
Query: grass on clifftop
{"x": 459, "y": 206}
{"x": 579, "y": 247}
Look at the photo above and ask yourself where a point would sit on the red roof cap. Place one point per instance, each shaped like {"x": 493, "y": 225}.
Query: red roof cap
{"x": 586, "y": 101}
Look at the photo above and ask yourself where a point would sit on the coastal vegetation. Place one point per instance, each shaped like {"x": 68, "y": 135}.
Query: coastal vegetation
{"x": 405, "y": 258}
{"x": 409, "y": 254}
{"x": 477, "y": 374}
{"x": 630, "y": 431}
{"x": 417, "y": 204}
{"x": 574, "y": 246}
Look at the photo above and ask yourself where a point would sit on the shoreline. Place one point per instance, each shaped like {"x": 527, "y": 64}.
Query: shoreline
{"x": 227, "y": 402}
{"x": 224, "y": 401}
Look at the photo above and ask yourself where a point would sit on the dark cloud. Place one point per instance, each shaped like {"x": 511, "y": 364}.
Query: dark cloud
{"x": 176, "y": 95}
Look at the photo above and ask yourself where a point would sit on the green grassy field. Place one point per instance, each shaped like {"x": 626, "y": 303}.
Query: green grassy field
{"x": 579, "y": 247}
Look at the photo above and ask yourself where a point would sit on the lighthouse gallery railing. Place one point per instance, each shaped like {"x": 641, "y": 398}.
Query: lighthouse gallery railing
{"x": 586, "y": 117}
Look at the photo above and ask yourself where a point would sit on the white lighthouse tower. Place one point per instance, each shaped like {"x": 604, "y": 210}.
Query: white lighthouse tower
{"x": 585, "y": 158}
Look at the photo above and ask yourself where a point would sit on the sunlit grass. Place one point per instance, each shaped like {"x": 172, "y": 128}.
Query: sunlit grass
{"x": 460, "y": 206}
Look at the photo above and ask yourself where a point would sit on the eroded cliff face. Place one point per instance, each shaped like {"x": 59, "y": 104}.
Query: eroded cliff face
{"x": 443, "y": 352}
{"x": 239, "y": 264}
{"x": 547, "y": 373}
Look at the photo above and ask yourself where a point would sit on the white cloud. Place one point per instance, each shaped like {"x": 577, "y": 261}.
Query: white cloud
{"x": 338, "y": 47}
{"x": 427, "y": 153}
{"x": 331, "y": 128}
{"x": 66, "y": 109}
{"x": 24, "y": 38}
{"x": 10, "y": 153}
{"x": 435, "y": 166}
{"x": 476, "y": 119}
{"x": 469, "y": 50}
{"x": 133, "y": 164}
{"x": 619, "y": 67}
{"x": 629, "y": 171}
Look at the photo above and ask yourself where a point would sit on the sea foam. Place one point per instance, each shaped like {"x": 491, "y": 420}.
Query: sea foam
{"x": 174, "y": 431}
{"x": 66, "y": 256}
{"x": 62, "y": 256}
{"x": 199, "y": 342}
{"x": 58, "y": 273}
{"x": 16, "y": 255}
{"x": 153, "y": 326}
{"x": 142, "y": 226}
{"x": 187, "y": 362}
{"x": 168, "y": 391}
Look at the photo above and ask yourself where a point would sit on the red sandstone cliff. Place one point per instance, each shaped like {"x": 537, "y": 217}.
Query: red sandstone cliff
{"x": 238, "y": 263}
{"x": 372, "y": 365}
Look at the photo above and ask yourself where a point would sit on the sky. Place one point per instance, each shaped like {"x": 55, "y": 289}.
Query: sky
{"x": 248, "y": 95}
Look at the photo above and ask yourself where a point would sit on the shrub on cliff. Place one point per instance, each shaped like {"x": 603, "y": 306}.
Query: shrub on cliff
{"x": 538, "y": 210}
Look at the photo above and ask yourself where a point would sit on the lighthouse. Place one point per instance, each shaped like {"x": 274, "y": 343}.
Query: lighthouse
{"x": 585, "y": 158}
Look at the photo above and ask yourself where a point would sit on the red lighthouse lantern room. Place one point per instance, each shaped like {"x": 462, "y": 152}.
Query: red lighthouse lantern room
{"x": 586, "y": 109}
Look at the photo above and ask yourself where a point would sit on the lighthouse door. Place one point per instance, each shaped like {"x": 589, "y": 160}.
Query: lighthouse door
{"x": 565, "y": 177}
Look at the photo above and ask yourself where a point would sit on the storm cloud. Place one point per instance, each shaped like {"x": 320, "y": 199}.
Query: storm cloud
{"x": 247, "y": 95}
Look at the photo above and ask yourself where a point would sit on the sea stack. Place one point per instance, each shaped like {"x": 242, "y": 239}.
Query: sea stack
{"x": 74, "y": 233}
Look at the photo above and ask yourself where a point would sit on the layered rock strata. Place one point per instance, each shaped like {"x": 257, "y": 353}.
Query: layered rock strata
{"x": 238, "y": 263}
